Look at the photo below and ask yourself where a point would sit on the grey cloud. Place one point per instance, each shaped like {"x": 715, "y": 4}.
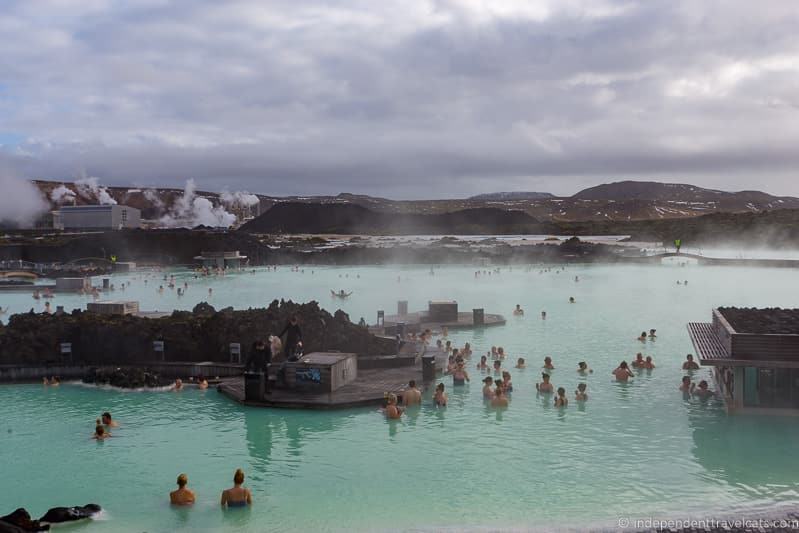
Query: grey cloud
{"x": 408, "y": 99}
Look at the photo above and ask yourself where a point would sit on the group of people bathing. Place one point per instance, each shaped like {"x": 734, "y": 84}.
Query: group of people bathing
{"x": 496, "y": 389}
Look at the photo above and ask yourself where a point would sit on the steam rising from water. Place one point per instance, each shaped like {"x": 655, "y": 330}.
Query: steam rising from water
{"x": 20, "y": 202}
{"x": 239, "y": 198}
{"x": 190, "y": 210}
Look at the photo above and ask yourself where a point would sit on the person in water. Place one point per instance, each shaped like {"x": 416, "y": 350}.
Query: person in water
{"x": 183, "y": 495}
{"x": 392, "y": 410}
{"x": 639, "y": 360}
{"x": 518, "y": 311}
{"x": 412, "y": 396}
{"x": 178, "y": 385}
{"x": 686, "y": 386}
{"x": 507, "y": 385}
{"x": 649, "y": 364}
{"x": 701, "y": 390}
{"x": 99, "y": 431}
{"x": 689, "y": 363}
{"x": 560, "y": 399}
{"x": 237, "y": 496}
{"x": 499, "y": 399}
{"x": 520, "y": 363}
{"x": 580, "y": 395}
{"x": 108, "y": 421}
{"x": 545, "y": 386}
{"x": 642, "y": 336}
{"x": 572, "y": 300}
{"x": 582, "y": 368}
{"x": 501, "y": 353}
{"x": 497, "y": 366}
{"x": 543, "y": 315}
{"x": 467, "y": 350}
{"x": 652, "y": 334}
{"x": 623, "y": 372}
{"x": 440, "y": 397}
{"x": 488, "y": 392}
{"x": 483, "y": 364}
{"x": 460, "y": 376}
{"x": 548, "y": 363}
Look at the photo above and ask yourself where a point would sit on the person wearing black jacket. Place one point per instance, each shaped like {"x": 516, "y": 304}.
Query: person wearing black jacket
{"x": 259, "y": 360}
{"x": 293, "y": 337}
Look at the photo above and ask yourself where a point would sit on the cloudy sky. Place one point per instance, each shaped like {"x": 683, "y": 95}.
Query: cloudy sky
{"x": 406, "y": 99}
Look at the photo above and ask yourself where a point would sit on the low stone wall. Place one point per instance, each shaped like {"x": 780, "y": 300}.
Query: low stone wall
{"x": 22, "y": 374}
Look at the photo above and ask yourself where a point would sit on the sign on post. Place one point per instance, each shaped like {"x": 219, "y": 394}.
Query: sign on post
{"x": 158, "y": 346}
{"x": 235, "y": 352}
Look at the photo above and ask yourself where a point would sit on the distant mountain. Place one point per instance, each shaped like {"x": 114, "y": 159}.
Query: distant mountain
{"x": 513, "y": 195}
{"x": 331, "y": 218}
{"x": 680, "y": 193}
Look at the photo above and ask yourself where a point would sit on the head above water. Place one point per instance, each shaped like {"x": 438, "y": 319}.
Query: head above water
{"x": 623, "y": 364}
{"x": 689, "y": 357}
{"x": 392, "y": 398}
{"x": 582, "y": 365}
{"x": 686, "y": 379}
{"x": 545, "y": 377}
{"x": 440, "y": 387}
{"x": 238, "y": 477}
{"x": 561, "y": 391}
{"x": 488, "y": 380}
{"x": 581, "y": 387}
{"x": 106, "y": 417}
{"x": 412, "y": 383}
{"x": 183, "y": 479}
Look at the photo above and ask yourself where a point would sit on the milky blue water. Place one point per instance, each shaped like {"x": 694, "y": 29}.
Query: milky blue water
{"x": 633, "y": 450}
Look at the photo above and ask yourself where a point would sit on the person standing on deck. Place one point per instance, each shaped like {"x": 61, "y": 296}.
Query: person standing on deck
{"x": 293, "y": 336}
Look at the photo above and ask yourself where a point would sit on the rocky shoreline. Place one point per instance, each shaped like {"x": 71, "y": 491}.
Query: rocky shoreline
{"x": 203, "y": 334}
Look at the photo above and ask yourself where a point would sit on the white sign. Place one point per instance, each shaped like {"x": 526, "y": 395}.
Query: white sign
{"x": 66, "y": 347}
{"x": 158, "y": 346}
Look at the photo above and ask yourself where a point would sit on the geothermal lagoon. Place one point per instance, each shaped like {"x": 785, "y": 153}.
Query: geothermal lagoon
{"x": 634, "y": 450}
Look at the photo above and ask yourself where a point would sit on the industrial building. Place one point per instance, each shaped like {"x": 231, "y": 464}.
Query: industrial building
{"x": 99, "y": 217}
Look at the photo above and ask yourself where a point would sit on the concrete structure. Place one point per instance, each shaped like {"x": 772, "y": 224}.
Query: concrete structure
{"x": 322, "y": 371}
{"x": 73, "y": 284}
{"x": 124, "y": 266}
{"x": 113, "y": 308}
{"x": 442, "y": 311}
{"x": 755, "y": 357}
{"x": 99, "y": 217}
{"x": 221, "y": 260}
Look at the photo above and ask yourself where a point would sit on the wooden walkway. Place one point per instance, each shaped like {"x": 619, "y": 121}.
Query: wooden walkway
{"x": 368, "y": 389}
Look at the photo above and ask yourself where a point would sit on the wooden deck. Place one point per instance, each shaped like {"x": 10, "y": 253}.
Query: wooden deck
{"x": 368, "y": 389}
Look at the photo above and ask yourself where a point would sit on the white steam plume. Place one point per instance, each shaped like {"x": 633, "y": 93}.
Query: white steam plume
{"x": 239, "y": 198}
{"x": 62, "y": 195}
{"x": 90, "y": 189}
{"x": 21, "y": 202}
{"x": 154, "y": 198}
{"x": 189, "y": 210}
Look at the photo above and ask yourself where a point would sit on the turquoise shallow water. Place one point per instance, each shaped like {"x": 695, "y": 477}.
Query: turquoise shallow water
{"x": 634, "y": 450}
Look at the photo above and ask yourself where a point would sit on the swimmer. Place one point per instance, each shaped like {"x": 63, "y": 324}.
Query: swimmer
{"x": 501, "y": 352}
{"x": 560, "y": 399}
{"x": 203, "y": 384}
{"x": 652, "y": 334}
{"x": 54, "y": 381}
{"x": 392, "y": 410}
{"x": 483, "y": 364}
{"x": 467, "y": 350}
{"x": 545, "y": 386}
{"x": 451, "y": 366}
{"x": 444, "y": 333}
{"x": 548, "y": 363}
{"x": 520, "y": 363}
{"x": 623, "y": 372}
{"x": 210, "y": 291}
{"x": 412, "y": 396}
{"x": 572, "y": 300}
{"x": 689, "y": 363}
{"x": 108, "y": 421}
{"x": 499, "y": 399}
{"x": 686, "y": 385}
{"x": 642, "y": 336}
{"x": 460, "y": 376}
{"x": 99, "y": 432}
{"x": 507, "y": 386}
{"x": 580, "y": 395}
{"x": 639, "y": 360}
{"x": 182, "y": 496}
{"x": 543, "y": 315}
{"x": 45, "y": 381}
{"x": 178, "y": 385}
{"x": 518, "y": 311}
{"x": 582, "y": 368}
{"x": 237, "y": 496}
{"x": 440, "y": 397}
{"x": 488, "y": 392}
{"x": 497, "y": 366}
{"x": 649, "y": 364}
{"x": 701, "y": 390}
